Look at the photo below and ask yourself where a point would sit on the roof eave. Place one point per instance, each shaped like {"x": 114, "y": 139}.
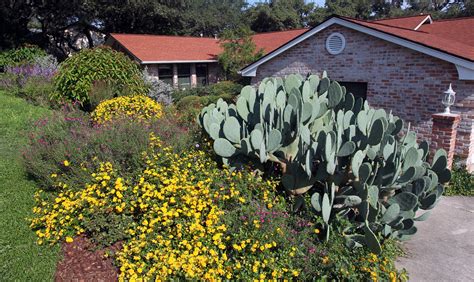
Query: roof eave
{"x": 178, "y": 62}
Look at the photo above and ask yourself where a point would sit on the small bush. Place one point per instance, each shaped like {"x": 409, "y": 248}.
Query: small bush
{"x": 225, "y": 89}
{"x": 462, "y": 182}
{"x": 135, "y": 107}
{"x": 20, "y": 56}
{"x": 77, "y": 74}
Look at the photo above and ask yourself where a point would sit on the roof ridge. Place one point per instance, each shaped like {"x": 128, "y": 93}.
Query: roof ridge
{"x": 162, "y": 35}
{"x": 453, "y": 19}
{"x": 402, "y": 17}
{"x": 277, "y": 31}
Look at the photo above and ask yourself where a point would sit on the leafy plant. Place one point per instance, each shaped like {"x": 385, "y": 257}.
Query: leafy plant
{"x": 224, "y": 89}
{"x": 349, "y": 157}
{"x": 239, "y": 50}
{"x": 78, "y": 73}
{"x": 462, "y": 182}
{"x": 106, "y": 228}
{"x": 20, "y": 56}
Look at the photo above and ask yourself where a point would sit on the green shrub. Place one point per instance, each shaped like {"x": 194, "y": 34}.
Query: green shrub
{"x": 462, "y": 182}
{"x": 335, "y": 153}
{"x": 20, "y": 56}
{"x": 77, "y": 74}
{"x": 224, "y": 89}
{"x": 188, "y": 102}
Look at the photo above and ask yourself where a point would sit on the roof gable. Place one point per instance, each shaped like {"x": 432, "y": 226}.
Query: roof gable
{"x": 460, "y": 54}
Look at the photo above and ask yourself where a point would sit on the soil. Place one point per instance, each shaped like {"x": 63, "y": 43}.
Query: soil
{"x": 81, "y": 261}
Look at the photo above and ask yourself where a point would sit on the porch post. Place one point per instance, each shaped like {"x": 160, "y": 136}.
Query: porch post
{"x": 175, "y": 75}
{"x": 193, "y": 75}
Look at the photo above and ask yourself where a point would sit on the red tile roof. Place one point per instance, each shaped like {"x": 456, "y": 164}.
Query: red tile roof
{"x": 455, "y": 36}
{"x": 152, "y": 48}
{"x": 270, "y": 41}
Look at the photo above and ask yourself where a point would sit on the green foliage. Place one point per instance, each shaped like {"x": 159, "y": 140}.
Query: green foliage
{"x": 20, "y": 56}
{"x": 278, "y": 15}
{"x": 222, "y": 89}
{"x": 106, "y": 228}
{"x": 349, "y": 157}
{"x": 21, "y": 259}
{"x": 77, "y": 75}
{"x": 462, "y": 182}
{"x": 239, "y": 51}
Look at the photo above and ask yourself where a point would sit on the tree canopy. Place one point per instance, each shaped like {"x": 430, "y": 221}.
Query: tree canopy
{"x": 57, "y": 25}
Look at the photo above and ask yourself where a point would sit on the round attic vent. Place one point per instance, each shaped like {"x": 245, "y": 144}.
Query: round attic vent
{"x": 335, "y": 43}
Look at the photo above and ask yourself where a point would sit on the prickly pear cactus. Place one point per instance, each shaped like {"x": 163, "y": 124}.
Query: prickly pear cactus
{"x": 346, "y": 157}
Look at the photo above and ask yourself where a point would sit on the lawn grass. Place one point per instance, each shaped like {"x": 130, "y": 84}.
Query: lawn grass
{"x": 20, "y": 258}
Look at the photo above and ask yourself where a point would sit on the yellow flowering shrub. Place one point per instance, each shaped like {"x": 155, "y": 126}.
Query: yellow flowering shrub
{"x": 178, "y": 203}
{"x": 138, "y": 107}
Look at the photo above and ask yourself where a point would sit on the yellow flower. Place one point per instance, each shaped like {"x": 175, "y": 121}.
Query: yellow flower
{"x": 69, "y": 240}
{"x": 316, "y": 231}
{"x": 66, "y": 163}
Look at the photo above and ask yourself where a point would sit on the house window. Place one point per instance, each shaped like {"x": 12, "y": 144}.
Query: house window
{"x": 201, "y": 74}
{"x": 358, "y": 89}
{"x": 184, "y": 76}
{"x": 165, "y": 73}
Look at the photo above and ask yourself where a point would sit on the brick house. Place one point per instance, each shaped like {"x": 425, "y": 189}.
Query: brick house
{"x": 184, "y": 61}
{"x": 402, "y": 64}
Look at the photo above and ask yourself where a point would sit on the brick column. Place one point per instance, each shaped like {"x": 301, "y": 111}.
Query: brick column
{"x": 444, "y": 133}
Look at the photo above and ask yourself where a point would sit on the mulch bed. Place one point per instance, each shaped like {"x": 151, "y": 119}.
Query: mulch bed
{"x": 81, "y": 261}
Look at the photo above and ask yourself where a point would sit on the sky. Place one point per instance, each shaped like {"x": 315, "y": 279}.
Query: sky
{"x": 318, "y": 2}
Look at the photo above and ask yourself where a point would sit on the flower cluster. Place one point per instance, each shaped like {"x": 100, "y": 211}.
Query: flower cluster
{"x": 137, "y": 107}
{"x": 186, "y": 219}
{"x": 42, "y": 67}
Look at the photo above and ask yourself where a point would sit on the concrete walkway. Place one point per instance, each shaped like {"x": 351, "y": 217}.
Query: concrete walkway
{"x": 443, "y": 247}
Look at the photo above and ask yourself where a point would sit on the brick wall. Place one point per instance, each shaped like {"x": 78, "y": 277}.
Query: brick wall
{"x": 409, "y": 83}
